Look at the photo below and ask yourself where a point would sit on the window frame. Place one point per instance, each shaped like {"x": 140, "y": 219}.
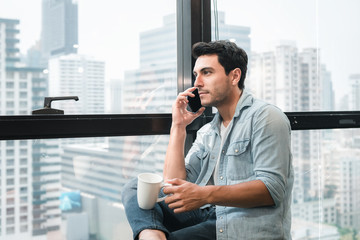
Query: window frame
{"x": 193, "y": 25}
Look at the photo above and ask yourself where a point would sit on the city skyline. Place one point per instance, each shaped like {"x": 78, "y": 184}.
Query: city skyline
{"x": 316, "y": 30}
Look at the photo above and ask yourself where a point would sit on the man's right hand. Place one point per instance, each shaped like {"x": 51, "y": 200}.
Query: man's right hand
{"x": 174, "y": 166}
{"x": 180, "y": 115}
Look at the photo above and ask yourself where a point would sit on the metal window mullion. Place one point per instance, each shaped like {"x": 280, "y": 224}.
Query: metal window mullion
{"x": 193, "y": 25}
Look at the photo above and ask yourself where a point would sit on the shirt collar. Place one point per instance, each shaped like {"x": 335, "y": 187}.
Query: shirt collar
{"x": 246, "y": 100}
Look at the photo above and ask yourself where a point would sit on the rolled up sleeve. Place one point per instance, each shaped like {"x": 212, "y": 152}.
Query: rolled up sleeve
{"x": 271, "y": 148}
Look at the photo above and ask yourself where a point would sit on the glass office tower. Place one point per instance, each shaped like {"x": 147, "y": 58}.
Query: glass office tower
{"x": 59, "y": 34}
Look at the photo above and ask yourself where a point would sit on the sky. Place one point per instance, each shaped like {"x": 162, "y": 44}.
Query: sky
{"x": 108, "y": 29}
{"x": 330, "y": 25}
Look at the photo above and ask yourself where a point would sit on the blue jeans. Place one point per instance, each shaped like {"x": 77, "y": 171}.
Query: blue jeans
{"x": 197, "y": 224}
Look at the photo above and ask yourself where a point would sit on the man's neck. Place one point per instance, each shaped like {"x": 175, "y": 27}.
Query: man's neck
{"x": 227, "y": 112}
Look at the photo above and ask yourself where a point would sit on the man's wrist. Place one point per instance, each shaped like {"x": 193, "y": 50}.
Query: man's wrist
{"x": 178, "y": 127}
{"x": 209, "y": 195}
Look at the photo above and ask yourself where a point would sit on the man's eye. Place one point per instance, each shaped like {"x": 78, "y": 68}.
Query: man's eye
{"x": 206, "y": 72}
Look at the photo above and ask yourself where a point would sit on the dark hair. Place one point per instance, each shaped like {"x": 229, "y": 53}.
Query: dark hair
{"x": 230, "y": 56}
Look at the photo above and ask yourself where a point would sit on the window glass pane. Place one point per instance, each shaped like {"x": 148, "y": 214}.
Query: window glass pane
{"x": 81, "y": 180}
{"x": 72, "y": 187}
{"x": 303, "y": 55}
{"x": 116, "y": 57}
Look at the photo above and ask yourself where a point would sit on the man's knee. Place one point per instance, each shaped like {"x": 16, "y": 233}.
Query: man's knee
{"x": 129, "y": 190}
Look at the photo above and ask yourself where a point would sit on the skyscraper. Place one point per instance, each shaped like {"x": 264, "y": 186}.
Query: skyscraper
{"x": 78, "y": 75}
{"x": 328, "y": 95}
{"x": 354, "y": 80}
{"x": 59, "y": 34}
{"x": 20, "y": 87}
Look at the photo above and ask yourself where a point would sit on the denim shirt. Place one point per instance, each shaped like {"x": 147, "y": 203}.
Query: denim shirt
{"x": 256, "y": 148}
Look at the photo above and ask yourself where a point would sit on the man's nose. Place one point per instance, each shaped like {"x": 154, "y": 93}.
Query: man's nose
{"x": 198, "y": 82}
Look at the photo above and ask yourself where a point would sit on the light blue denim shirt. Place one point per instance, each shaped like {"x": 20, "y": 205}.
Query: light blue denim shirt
{"x": 257, "y": 147}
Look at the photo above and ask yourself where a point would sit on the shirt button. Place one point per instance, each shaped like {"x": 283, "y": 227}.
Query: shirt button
{"x": 236, "y": 150}
{"x": 221, "y": 177}
{"x": 223, "y": 151}
{"x": 221, "y": 230}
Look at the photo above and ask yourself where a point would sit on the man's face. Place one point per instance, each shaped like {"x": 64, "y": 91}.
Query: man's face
{"x": 213, "y": 84}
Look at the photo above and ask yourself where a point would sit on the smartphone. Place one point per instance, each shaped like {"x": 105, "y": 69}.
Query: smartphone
{"x": 194, "y": 102}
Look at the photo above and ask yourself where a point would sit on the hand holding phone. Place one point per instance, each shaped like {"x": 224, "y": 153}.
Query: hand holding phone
{"x": 194, "y": 102}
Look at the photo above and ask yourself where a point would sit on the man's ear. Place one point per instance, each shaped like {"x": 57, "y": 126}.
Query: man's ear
{"x": 236, "y": 74}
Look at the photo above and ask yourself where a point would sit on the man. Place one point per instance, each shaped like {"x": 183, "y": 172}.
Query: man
{"x": 236, "y": 180}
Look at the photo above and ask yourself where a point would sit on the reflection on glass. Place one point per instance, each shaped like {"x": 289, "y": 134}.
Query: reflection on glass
{"x": 99, "y": 173}
{"x": 72, "y": 190}
{"x": 294, "y": 63}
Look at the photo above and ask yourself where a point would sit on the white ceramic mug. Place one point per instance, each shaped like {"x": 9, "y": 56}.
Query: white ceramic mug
{"x": 148, "y": 189}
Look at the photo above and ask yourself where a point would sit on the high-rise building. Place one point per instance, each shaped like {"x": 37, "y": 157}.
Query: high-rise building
{"x": 341, "y": 177}
{"x": 354, "y": 95}
{"x": 274, "y": 76}
{"x": 20, "y": 91}
{"x": 78, "y": 75}
{"x": 328, "y": 95}
{"x": 59, "y": 34}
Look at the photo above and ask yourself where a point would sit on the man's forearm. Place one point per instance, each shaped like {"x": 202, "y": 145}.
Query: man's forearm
{"x": 174, "y": 166}
{"x": 244, "y": 195}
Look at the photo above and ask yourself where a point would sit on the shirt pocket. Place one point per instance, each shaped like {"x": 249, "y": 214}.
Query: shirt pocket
{"x": 239, "y": 163}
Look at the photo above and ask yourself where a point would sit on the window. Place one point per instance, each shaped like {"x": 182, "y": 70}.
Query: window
{"x": 140, "y": 86}
{"x": 23, "y": 228}
{"x": 23, "y": 94}
{"x": 23, "y": 75}
{"x": 9, "y": 95}
{"x": 10, "y": 220}
{"x": 10, "y": 201}
{"x": 10, "y": 181}
{"x": 120, "y": 68}
{"x": 23, "y": 209}
{"x": 23, "y": 84}
{"x": 9, "y": 172}
{"x": 10, "y": 211}
{"x": 10, "y": 230}
{"x": 9, "y": 75}
{"x": 9, "y": 104}
{"x": 10, "y": 162}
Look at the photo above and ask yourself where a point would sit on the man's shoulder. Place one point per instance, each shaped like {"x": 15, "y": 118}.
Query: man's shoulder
{"x": 261, "y": 110}
{"x": 261, "y": 106}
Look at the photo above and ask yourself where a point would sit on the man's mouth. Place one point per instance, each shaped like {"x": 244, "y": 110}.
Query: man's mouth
{"x": 202, "y": 92}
